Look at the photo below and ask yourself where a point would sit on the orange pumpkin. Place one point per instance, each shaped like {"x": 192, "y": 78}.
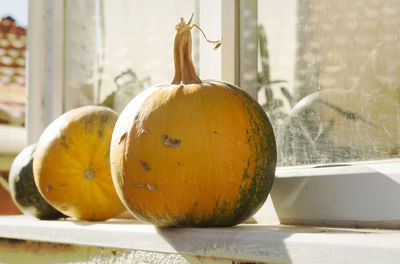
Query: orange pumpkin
{"x": 193, "y": 153}
{"x": 71, "y": 166}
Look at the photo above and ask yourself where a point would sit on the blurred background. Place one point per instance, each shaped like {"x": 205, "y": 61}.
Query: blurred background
{"x": 13, "y": 34}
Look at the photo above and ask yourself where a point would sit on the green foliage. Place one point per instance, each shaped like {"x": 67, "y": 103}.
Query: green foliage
{"x": 109, "y": 100}
{"x": 128, "y": 86}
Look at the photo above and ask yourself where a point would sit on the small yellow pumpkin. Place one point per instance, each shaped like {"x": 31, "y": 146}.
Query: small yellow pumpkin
{"x": 193, "y": 153}
{"x": 71, "y": 166}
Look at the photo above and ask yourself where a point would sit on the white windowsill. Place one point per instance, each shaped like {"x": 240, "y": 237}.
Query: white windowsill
{"x": 257, "y": 243}
{"x": 12, "y": 138}
{"x": 362, "y": 194}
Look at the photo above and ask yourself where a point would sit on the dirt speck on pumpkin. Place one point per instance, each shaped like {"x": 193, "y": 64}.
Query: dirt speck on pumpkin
{"x": 150, "y": 187}
{"x": 144, "y": 131}
{"x": 123, "y": 137}
{"x": 49, "y": 187}
{"x": 145, "y": 165}
{"x": 64, "y": 141}
{"x": 170, "y": 142}
{"x": 100, "y": 132}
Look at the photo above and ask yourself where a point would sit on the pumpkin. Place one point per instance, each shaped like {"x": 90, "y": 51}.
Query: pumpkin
{"x": 71, "y": 166}
{"x": 193, "y": 153}
{"x": 23, "y": 189}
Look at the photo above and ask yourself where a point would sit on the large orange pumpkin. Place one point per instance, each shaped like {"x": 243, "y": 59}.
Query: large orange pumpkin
{"x": 72, "y": 164}
{"x": 193, "y": 153}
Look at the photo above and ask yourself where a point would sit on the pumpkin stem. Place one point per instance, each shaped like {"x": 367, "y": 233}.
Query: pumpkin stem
{"x": 88, "y": 174}
{"x": 184, "y": 70}
{"x": 216, "y": 42}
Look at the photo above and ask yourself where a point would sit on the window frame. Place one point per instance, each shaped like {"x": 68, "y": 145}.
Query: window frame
{"x": 45, "y": 66}
{"x": 340, "y": 181}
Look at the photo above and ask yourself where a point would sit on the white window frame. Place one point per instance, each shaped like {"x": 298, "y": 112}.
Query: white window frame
{"x": 357, "y": 194}
{"x": 45, "y": 65}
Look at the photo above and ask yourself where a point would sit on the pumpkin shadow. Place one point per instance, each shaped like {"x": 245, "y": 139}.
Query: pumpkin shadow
{"x": 114, "y": 221}
{"x": 238, "y": 244}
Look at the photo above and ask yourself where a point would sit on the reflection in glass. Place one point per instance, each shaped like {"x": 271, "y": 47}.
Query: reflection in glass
{"x": 117, "y": 48}
{"x": 329, "y": 77}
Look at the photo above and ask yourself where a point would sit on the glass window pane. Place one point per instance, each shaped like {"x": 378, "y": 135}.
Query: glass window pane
{"x": 329, "y": 76}
{"x": 120, "y": 47}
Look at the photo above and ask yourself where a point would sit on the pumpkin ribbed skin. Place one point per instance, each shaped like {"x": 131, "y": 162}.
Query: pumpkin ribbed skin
{"x": 199, "y": 154}
{"x": 71, "y": 165}
{"x": 23, "y": 189}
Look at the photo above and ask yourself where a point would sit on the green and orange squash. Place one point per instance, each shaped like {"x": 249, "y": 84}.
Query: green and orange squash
{"x": 71, "y": 166}
{"x": 193, "y": 153}
{"x": 23, "y": 189}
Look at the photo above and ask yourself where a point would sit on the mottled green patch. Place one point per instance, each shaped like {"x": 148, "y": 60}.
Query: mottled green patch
{"x": 97, "y": 120}
{"x": 63, "y": 141}
{"x": 104, "y": 120}
{"x": 262, "y": 139}
{"x": 107, "y": 154}
{"x": 23, "y": 189}
{"x": 186, "y": 220}
{"x": 120, "y": 177}
{"x": 246, "y": 174}
{"x": 88, "y": 121}
{"x": 100, "y": 132}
